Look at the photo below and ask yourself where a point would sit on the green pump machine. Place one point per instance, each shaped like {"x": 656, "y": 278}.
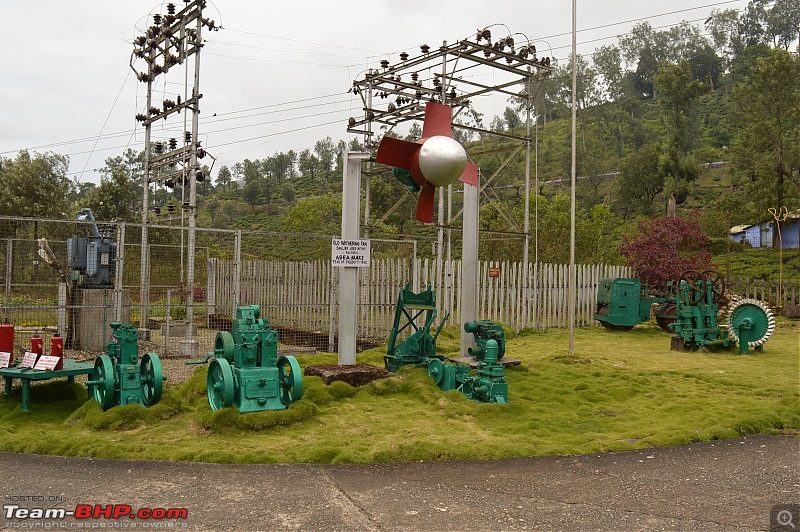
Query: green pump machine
{"x": 699, "y": 297}
{"x": 246, "y": 371}
{"x": 419, "y": 349}
{"x": 489, "y": 384}
{"x": 119, "y": 378}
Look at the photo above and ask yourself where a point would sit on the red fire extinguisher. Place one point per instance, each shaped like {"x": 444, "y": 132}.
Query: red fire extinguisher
{"x": 7, "y": 339}
{"x": 57, "y": 350}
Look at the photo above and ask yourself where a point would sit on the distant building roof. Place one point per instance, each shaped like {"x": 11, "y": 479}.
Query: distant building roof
{"x": 739, "y": 228}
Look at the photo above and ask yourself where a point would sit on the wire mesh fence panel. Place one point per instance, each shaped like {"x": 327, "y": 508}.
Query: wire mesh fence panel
{"x": 290, "y": 277}
{"x": 40, "y": 279}
{"x": 76, "y": 277}
{"x": 181, "y": 319}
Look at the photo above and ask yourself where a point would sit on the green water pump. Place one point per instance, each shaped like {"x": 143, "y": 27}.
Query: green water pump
{"x": 246, "y": 371}
{"x": 488, "y": 385}
{"x": 119, "y": 378}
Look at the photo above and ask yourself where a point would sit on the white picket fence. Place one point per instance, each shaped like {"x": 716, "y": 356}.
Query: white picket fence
{"x": 303, "y": 294}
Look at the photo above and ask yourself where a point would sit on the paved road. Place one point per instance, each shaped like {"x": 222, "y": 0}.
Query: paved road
{"x": 721, "y": 485}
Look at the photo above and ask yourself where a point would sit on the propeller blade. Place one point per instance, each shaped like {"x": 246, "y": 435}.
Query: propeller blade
{"x": 437, "y": 120}
{"x": 470, "y": 175}
{"x": 425, "y": 204}
{"x": 396, "y": 152}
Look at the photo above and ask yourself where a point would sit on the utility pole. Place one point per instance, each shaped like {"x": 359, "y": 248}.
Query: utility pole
{"x": 170, "y": 41}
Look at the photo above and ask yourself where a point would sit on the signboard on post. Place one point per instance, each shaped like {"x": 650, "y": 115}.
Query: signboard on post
{"x": 351, "y": 253}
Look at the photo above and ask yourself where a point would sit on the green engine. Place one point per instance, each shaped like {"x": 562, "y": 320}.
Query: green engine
{"x": 623, "y": 303}
{"x": 246, "y": 371}
{"x": 119, "y": 378}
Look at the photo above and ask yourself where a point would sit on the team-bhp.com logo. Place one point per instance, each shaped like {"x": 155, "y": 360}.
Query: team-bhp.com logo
{"x": 94, "y": 511}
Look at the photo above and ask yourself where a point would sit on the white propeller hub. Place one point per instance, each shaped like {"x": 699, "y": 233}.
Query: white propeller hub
{"x": 442, "y": 160}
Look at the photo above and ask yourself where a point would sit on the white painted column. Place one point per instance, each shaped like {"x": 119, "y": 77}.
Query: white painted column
{"x": 348, "y": 276}
{"x": 469, "y": 262}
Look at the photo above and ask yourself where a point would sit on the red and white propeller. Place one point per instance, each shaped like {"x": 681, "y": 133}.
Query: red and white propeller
{"x": 435, "y": 160}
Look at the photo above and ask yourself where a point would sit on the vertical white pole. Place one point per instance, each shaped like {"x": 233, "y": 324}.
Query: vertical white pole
{"x": 62, "y": 309}
{"x": 469, "y": 262}
{"x": 189, "y": 345}
{"x": 572, "y": 288}
{"x": 348, "y": 276}
{"x": 237, "y": 271}
{"x": 526, "y": 282}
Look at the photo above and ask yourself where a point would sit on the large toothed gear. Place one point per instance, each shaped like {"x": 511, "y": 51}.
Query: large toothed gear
{"x": 761, "y": 317}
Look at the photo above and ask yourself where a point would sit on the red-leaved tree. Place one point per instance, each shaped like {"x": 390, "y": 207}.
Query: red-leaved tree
{"x": 665, "y": 248}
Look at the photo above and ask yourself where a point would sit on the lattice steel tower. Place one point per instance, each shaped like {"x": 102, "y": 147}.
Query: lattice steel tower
{"x": 170, "y": 41}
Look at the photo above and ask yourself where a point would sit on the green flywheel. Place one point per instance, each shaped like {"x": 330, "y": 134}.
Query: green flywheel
{"x": 755, "y": 315}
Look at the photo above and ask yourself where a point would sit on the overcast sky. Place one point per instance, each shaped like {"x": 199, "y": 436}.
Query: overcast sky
{"x": 277, "y": 75}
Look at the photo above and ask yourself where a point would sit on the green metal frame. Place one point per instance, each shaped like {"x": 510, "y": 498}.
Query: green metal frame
{"x": 420, "y": 345}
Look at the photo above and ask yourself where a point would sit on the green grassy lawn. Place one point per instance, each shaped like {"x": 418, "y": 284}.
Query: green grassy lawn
{"x": 617, "y": 391}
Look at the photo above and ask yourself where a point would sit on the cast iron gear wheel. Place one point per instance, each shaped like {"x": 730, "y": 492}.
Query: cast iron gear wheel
{"x": 761, "y": 316}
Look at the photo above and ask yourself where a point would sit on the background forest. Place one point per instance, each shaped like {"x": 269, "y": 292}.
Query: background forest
{"x": 706, "y": 114}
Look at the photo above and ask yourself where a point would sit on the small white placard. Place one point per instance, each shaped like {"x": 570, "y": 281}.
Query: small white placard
{"x": 5, "y": 359}
{"x": 351, "y": 253}
{"x": 46, "y": 362}
{"x": 28, "y": 360}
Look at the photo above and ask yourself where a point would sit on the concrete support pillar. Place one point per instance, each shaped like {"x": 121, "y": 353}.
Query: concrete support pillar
{"x": 348, "y": 276}
{"x": 469, "y": 265}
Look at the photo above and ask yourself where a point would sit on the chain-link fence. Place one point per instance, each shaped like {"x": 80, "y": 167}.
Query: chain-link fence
{"x": 76, "y": 277}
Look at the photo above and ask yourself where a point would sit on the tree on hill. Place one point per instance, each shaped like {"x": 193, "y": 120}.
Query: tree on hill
{"x": 115, "y": 197}
{"x": 677, "y": 97}
{"x": 665, "y": 248}
{"x": 35, "y": 186}
{"x": 639, "y": 182}
{"x": 767, "y": 144}
{"x": 224, "y": 177}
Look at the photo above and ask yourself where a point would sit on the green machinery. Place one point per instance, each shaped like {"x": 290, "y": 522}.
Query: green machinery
{"x": 246, "y": 371}
{"x": 623, "y": 303}
{"x": 419, "y": 349}
{"x": 750, "y": 322}
{"x": 119, "y": 378}
{"x": 489, "y": 384}
{"x": 420, "y": 345}
{"x": 483, "y": 331}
